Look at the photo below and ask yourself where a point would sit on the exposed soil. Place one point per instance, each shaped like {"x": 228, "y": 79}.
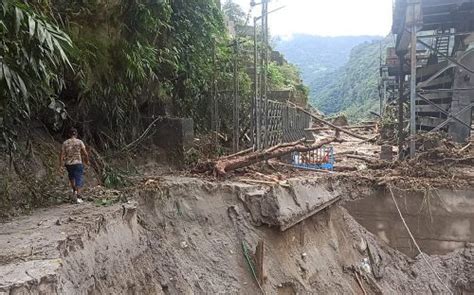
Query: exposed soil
{"x": 198, "y": 234}
{"x": 182, "y": 235}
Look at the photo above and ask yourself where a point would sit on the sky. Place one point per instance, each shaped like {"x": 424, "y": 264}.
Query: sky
{"x": 327, "y": 17}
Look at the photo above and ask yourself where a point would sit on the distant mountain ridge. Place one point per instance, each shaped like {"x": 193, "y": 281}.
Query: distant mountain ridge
{"x": 317, "y": 54}
{"x": 341, "y": 72}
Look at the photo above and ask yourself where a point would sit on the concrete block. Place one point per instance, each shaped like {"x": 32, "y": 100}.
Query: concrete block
{"x": 174, "y": 135}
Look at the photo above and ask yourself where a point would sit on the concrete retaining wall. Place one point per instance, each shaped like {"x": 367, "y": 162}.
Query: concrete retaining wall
{"x": 441, "y": 221}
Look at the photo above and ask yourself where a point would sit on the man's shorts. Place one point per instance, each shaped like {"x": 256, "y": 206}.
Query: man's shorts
{"x": 76, "y": 173}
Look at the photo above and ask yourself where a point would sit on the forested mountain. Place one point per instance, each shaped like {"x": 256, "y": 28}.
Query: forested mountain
{"x": 316, "y": 55}
{"x": 353, "y": 89}
{"x": 342, "y": 72}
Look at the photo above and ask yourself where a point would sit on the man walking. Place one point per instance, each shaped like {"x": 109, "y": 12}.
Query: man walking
{"x": 73, "y": 155}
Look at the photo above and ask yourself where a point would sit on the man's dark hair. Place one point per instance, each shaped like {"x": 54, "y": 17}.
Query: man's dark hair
{"x": 72, "y": 132}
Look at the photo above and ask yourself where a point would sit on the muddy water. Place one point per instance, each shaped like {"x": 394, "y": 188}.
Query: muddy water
{"x": 441, "y": 221}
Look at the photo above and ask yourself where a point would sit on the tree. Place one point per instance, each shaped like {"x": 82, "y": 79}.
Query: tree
{"x": 234, "y": 12}
{"x": 32, "y": 59}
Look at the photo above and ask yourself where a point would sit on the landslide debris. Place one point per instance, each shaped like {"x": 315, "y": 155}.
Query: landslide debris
{"x": 186, "y": 235}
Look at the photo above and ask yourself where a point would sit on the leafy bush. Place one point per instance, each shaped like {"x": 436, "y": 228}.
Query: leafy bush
{"x": 32, "y": 57}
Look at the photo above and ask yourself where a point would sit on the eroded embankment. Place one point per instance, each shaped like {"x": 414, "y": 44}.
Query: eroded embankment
{"x": 187, "y": 236}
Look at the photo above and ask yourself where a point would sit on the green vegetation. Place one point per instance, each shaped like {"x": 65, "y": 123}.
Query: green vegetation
{"x": 342, "y": 78}
{"x": 287, "y": 77}
{"x": 281, "y": 75}
{"x": 317, "y": 56}
{"x": 108, "y": 68}
{"x": 354, "y": 92}
{"x": 32, "y": 54}
{"x": 129, "y": 60}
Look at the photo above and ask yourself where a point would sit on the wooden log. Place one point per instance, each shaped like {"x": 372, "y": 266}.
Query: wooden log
{"x": 359, "y": 282}
{"x": 347, "y": 127}
{"x": 373, "y": 138}
{"x": 259, "y": 257}
{"x": 221, "y": 167}
{"x": 281, "y": 145}
{"x": 340, "y": 168}
{"x": 237, "y": 154}
{"x": 348, "y": 132}
{"x": 302, "y": 240}
{"x": 270, "y": 183}
{"x": 370, "y": 160}
{"x": 465, "y": 148}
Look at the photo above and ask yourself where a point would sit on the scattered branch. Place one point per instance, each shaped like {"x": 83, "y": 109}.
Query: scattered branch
{"x": 237, "y": 154}
{"x": 370, "y": 126}
{"x": 348, "y": 132}
{"x": 371, "y": 139}
{"x": 465, "y": 148}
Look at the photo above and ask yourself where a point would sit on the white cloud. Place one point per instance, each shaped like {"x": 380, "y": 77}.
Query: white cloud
{"x": 328, "y": 17}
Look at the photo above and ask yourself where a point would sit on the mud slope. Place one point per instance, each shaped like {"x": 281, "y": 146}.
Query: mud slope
{"x": 185, "y": 236}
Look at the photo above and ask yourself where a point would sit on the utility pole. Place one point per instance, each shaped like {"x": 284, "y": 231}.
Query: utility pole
{"x": 236, "y": 102}
{"x": 413, "y": 92}
{"x": 401, "y": 117}
{"x": 215, "y": 116}
{"x": 264, "y": 93}
{"x": 255, "y": 101}
{"x": 415, "y": 7}
{"x": 262, "y": 97}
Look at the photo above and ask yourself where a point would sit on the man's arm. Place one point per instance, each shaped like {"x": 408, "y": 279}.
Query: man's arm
{"x": 61, "y": 158}
{"x": 85, "y": 154}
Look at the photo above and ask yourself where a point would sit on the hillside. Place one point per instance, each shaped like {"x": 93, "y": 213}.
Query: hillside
{"x": 354, "y": 89}
{"x": 341, "y": 72}
{"x": 317, "y": 55}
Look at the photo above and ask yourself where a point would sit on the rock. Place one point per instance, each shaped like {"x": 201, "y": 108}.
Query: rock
{"x": 362, "y": 246}
{"x": 365, "y": 266}
{"x": 361, "y": 167}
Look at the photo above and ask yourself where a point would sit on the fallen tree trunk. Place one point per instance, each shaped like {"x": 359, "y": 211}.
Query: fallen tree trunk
{"x": 348, "y": 132}
{"x": 370, "y": 160}
{"x": 346, "y": 127}
{"x": 223, "y": 166}
{"x": 237, "y": 154}
{"x": 373, "y": 138}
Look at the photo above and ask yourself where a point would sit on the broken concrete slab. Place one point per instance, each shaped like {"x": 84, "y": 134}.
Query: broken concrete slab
{"x": 284, "y": 206}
